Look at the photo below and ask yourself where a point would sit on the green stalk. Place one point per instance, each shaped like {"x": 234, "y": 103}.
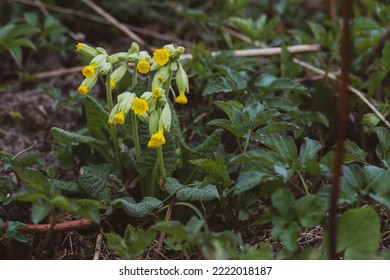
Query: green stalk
{"x": 168, "y": 83}
{"x": 114, "y": 133}
{"x": 134, "y": 76}
{"x": 134, "y": 126}
{"x": 160, "y": 161}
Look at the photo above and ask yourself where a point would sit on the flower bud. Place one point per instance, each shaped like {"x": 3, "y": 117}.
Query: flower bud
{"x": 85, "y": 49}
{"x": 165, "y": 118}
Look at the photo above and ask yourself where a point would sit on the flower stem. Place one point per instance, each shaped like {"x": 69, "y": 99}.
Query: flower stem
{"x": 134, "y": 76}
{"x": 168, "y": 83}
{"x": 160, "y": 161}
{"x": 134, "y": 126}
{"x": 114, "y": 133}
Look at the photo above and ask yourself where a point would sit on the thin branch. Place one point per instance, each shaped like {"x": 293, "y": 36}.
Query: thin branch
{"x": 115, "y": 23}
{"x": 317, "y": 70}
{"x": 167, "y": 218}
{"x": 342, "y": 121}
{"x": 98, "y": 246}
{"x": 357, "y": 92}
{"x": 59, "y": 227}
{"x": 264, "y": 51}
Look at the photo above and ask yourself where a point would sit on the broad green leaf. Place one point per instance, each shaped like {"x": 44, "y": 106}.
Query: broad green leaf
{"x": 65, "y": 185}
{"x": 227, "y": 125}
{"x": 228, "y": 106}
{"x": 34, "y": 178}
{"x": 134, "y": 209}
{"x": 217, "y": 171}
{"x": 67, "y": 137}
{"x": 280, "y": 143}
{"x": 6, "y": 30}
{"x": 278, "y": 127}
{"x": 39, "y": 211}
{"x": 95, "y": 179}
{"x": 269, "y": 83}
{"x": 380, "y": 183}
{"x": 248, "y": 179}
{"x": 204, "y": 150}
{"x": 90, "y": 209}
{"x": 309, "y": 149}
{"x": 16, "y": 52}
{"x": 97, "y": 118}
{"x": 220, "y": 84}
{"x": 191, "y": 193}
{"x": 383, "y": 148}
{"x": 354, "y": 152}
{"x": 134, "y": 243}
{"x": 287, "y": 232}
{"x": 358, "y": 233}
{"x": 24, "y": 43}
{"x": 283, "y": 203}
{"x": 310, "y": 210}
{"x": 174, "y": 228}
{"x": 267, "y": 158}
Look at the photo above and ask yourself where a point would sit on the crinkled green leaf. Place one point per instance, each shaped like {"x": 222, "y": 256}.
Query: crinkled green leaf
{"x": 97, "y": 118}
{"x": 137, "y": 210}
{"x": 95, "y": 179}
{"x": 280, "y": 143}
{"x": 191, "y": 193}
{"x": 67, "y": 137}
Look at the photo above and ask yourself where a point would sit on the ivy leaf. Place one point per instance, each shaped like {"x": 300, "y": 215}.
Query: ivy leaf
{"x": 359, "y": 233}
{"x": 195, "y": 192}
{"x": 134, "y": 209}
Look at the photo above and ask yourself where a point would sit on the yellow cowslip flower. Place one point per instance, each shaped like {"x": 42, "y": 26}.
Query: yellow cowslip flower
{"x": 139, "y": 106}
{"x": 118, "y": 118}
{"x": 156, "y": 93}
{"x": 143, "y": 67}
{"x": 181, "y": 99}
{"x": 83, "y": 90}
{"x": 79, "y": 46}
{"x": 88, "y": 71}
{"x": 157, "y": 139}
{"x": 161, "y": 56}
{"x": 112, "y": 84}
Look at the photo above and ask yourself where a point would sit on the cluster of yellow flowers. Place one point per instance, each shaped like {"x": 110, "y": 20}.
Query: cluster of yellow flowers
{"x": 152, "y": 107}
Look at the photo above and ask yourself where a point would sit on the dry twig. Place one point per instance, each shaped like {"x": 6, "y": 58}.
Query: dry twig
{"x": 115, "y": 23}
{"x": 317, "y": 70}
{"x": 98, "y": 246}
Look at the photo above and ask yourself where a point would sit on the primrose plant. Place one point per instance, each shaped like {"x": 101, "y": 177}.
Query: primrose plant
{"x": 151, "y": 108}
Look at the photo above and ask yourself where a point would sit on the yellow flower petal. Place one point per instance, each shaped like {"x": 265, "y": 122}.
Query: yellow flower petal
{"x": 181, "y": 99}
{"x": 83, "y": 90}
{"x": 88, "y": 71}
{"x": 139, "y": 106}
{"x": 161, "y": 56}
{"x": 156, "y": 140}
{"x": 143, "y": 67}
